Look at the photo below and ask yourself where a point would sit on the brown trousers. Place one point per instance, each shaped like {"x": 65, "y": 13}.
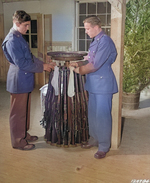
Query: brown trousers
{"x": 19, "y": 118}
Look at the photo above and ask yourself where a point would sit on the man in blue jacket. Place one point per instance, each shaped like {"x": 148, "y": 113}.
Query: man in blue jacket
{"x": 20, "y": 80}
{"x": 101, "y": 85}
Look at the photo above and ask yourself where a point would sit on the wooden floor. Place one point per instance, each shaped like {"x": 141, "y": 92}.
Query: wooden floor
{"x": 50, "y": 164}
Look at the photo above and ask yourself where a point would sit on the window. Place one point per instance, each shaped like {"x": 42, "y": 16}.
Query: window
{"x": 100, "y": 9}
{"x": 31, "y": 35}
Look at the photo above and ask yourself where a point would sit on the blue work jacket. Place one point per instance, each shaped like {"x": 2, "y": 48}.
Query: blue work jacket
{"x": 23, "y": 65}
{"x": 102, "y": 53}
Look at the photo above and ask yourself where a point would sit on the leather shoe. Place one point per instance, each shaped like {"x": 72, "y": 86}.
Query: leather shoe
{"x": 99, "y": 154}
{"x": 32, "y": 138}
{"x": 86, "y": 146}
{"x": 26, "y": 147}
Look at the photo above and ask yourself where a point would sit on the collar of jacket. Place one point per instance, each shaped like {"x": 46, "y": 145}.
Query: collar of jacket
{"x": 15, "y": 32}
{"x": 97, "y": 38}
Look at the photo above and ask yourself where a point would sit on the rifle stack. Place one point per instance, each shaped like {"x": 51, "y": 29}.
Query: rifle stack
{"x": 66, "y": 118}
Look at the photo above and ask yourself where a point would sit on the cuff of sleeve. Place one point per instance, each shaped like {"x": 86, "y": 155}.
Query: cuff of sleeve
{"x": 81, "y": 63}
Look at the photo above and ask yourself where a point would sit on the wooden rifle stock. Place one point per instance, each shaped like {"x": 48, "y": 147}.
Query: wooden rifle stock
{"x": 65, "y": 137}
{"x": 77, "y": 110}
{"x": 61, "y": 104}
{"x": 58, "y": 111}
{"x": 72, "y": 120}
{"x": 86, "y": 102}
{"x": 83, "y": 110}
{"x": 48, "y": 108}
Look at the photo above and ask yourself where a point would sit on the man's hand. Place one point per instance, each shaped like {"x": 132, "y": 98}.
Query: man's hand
{"x": 86, "y": 57}
{"x": 74, "y": 64}
{"x": 76, "y": 70}
{"x": 48, "y": 59}
{"x": 49, "y": 67}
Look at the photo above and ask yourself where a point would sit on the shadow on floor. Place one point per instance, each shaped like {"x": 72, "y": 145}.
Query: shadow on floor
{"x": 144, "y": 103}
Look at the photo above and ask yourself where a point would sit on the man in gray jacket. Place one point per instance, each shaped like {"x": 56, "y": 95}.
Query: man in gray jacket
{"x": 20, "y": 80}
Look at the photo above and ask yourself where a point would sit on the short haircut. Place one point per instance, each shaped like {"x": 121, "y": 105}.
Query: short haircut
{"x": 93, "y": 20}
{"x": 21, "y": 16}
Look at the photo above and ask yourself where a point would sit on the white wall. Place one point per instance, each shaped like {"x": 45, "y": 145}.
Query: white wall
{"x": 62, "y": 15}
{"x": 62, "y": 18}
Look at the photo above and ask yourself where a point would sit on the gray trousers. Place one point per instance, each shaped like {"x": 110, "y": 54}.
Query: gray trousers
{"x": 19, "y": 118}
{"x": 100, "y": 120}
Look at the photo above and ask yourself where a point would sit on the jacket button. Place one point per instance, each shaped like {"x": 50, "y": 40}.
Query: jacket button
{"x": 101, "y": 77}
{"x": 25, "y": 73}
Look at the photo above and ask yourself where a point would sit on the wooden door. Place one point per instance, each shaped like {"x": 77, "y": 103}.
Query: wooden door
{"x": 40, "y": 38}
{"x": 31, "y": 37}
{"x": 40, "y": 77}
{"x": 47, "y": 39}
{"x": 4, "y": 64}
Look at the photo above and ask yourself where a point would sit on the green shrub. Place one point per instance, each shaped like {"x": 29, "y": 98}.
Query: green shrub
{"x": 136, "y": 70}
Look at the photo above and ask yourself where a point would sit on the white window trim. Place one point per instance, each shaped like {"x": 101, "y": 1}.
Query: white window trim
{"x": 76, "y": 20}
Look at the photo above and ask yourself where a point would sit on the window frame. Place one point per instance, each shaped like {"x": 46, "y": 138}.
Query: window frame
{"x": 77, "y": 27}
